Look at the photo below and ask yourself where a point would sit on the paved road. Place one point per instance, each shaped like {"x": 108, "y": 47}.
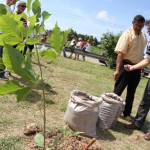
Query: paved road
{"x": 89, "y": 59}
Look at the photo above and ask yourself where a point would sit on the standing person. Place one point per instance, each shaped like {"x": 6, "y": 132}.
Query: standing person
{"x": 72, "y": 46}
{"x": 78, "y": 46}
{"x": 144, "y": 106}
{"x": 44, "y": 38}
{"x": 87, "y": 48}
{"x": 130, "y": 49}
{"x": 20, "y": 10}
{"x": 8, "y": 4}
{"x": 21, "y": 7}
{"x": 83, "y": 42}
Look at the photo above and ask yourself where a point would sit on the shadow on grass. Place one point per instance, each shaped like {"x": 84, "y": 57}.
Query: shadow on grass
{"x": 104, "y": 135}
{"x": 119, "y": 127}
{"x": 47, "y": 88}
{"x": 35, "y": 97}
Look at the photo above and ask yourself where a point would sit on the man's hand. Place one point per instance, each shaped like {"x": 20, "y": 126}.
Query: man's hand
{"x": 115, "y": 75}
{"x": 128, "y": 67}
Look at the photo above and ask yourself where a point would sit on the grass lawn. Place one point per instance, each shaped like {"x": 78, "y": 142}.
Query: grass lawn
{"x": 61, "y": 78}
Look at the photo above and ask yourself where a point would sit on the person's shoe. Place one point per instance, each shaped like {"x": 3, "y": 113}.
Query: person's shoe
{"x": 132, "y": 126}
{"x": 129, "y": 118}
{"x": 147, "y": 136}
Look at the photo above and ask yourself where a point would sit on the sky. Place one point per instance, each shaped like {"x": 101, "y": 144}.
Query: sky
{"x": 94, "y": 17}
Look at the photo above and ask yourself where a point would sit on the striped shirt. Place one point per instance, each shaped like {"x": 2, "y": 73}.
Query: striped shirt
{"x": 147, "y": 54}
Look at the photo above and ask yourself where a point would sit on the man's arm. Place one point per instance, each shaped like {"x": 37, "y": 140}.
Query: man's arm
{"x": 140, "y": 65}
{"x": 118, "y": 64}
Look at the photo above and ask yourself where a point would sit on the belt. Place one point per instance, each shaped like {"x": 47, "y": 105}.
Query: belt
{"x": 128, "y": 61}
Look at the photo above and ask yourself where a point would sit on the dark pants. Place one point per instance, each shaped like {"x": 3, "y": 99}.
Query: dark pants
{"x": 64, "y": 52}
{"x": 2, "y": 70}
{"x": 84, "y": 52}
{"x": 129, "y": 80}
{"x": 26, "y": 48}
{"x": 144, "y": 108}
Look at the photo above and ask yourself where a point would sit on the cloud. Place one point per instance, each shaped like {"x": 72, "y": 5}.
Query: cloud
{"x": 103, "y": 15}
{"x": 49, "y": 25}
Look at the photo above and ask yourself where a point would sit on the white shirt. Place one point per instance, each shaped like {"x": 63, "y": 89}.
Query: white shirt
{"x": 9, "y": 9}
{"x": 88, "y": 47}
{"x": 79, "y": 45}
{"x": 72, "y": 42}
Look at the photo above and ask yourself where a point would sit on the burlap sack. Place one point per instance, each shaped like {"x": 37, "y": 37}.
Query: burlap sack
{"x": 82, "y": 112}
{"x": 109, "y": 110}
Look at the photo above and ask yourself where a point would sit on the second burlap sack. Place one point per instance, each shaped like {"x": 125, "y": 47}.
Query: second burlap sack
{"x": 109, "y": 110}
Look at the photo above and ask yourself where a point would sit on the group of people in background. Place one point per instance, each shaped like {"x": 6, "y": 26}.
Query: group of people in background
{"x": 79, "y": 44}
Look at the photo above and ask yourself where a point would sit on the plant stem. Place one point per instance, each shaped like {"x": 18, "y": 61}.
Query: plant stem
{"x": 44, "y": 98}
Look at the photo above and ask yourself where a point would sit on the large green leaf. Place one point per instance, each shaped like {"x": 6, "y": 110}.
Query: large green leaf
{"x": 10, "y": 87}
{"x": 20, "y": 46}
{"x": 28, "y": 68}
{"x": 29, "y": 5}
{"x": 23, "y": 93}
{"x": 11, "y": 39}
{"x": 3, "y": 9}
{"x": 56, "y": 39}
{"x": 42, "y": 29}
{"x": 39, "y": 140}
{"x": 28, "y": 63}
{"x": 36, "y": 8}
{"x": 45, "y": 15}
{"x": 65, "y": 34}
{"x": 2, "y": 64}
{"x": 9, "y": 25}
{"x": 14, "y": 61}
{"x": 49, "y": 54}
{"x": 32, "y": 20}
{"x": 32, "y": 41}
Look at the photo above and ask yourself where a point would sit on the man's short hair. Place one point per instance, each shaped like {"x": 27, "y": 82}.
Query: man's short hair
{"x": 139, "y": 18}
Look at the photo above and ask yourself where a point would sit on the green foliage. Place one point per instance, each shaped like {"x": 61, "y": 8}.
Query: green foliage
{"x": 56, "y": 36}
{"x": 10, "y": 87}
{"x": 49, "y": 54}
{"x": 36, "y": 8}
{"x": 3, "y": 9}
{"x": 86, "y": 37}
{"x": 32, "y": 41}
{"x": 107, "y": 44}
{"x": 29, "y": 5}
{"x": 14, "y": 37}
{"x": 45, "y": 15}
{"x": 64, "y": 130}
{"x": 10, "y": 28}
{"x": 65, "y": 134}
{"x": 14, "y": 61}
{"x": 23, "y": 93}
{"x": 39, "y": 140}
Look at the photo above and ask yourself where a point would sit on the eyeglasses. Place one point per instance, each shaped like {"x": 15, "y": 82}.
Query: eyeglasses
{"x": 23, "y": 6}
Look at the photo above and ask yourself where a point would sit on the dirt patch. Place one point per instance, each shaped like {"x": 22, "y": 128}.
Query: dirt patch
{"x": 72, "y": 143}
{"x": 136, "y": 136}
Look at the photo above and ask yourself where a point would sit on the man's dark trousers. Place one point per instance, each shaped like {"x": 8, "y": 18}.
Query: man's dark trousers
{"x": 129, "y": 80}
{"x": 144, "y": 108}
